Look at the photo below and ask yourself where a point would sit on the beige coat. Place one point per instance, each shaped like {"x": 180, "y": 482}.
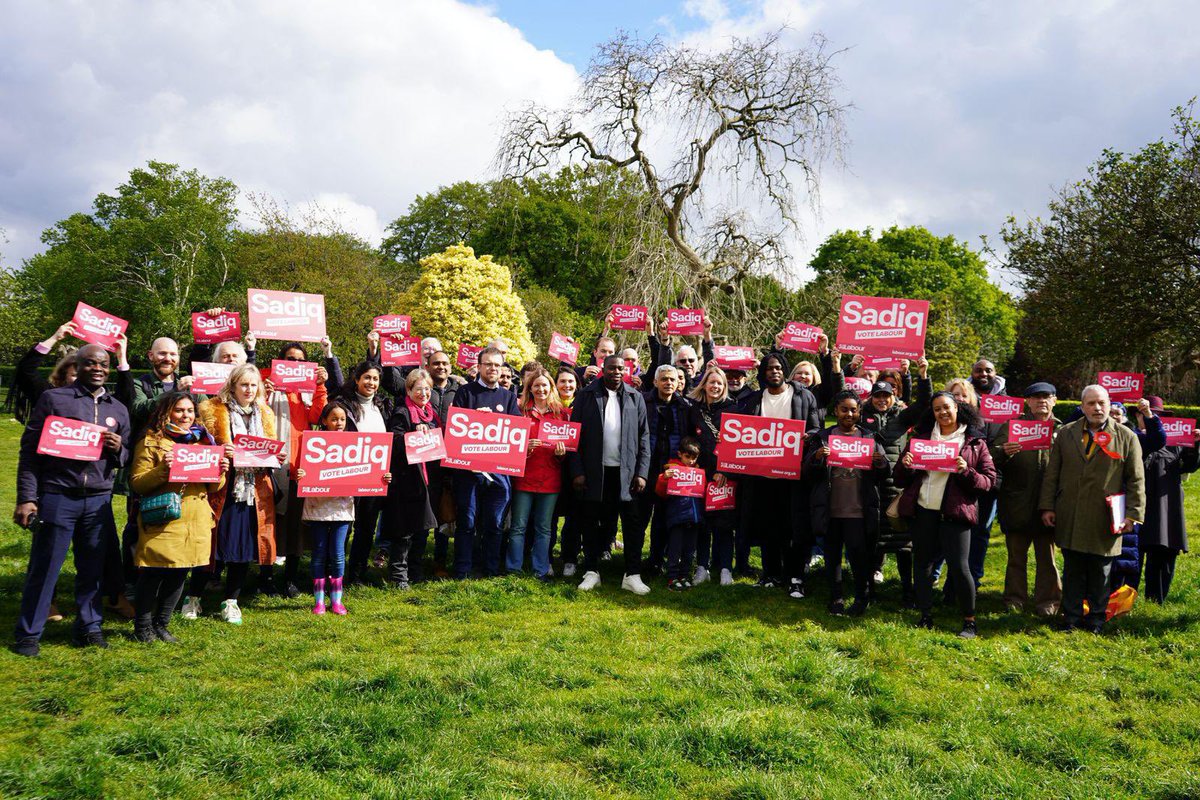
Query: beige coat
{"x": 1076, "y": 488}
{"x": 214, "y": 416}
{"x": 187, "y": 541}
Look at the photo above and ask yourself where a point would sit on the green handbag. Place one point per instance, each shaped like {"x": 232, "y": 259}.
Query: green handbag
{"x": 161, "y": 508}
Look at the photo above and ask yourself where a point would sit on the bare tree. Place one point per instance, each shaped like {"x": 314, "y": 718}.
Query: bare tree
{"x": 753, "y": 119}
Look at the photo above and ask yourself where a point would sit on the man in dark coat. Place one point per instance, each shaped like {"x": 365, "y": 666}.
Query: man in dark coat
{"x": 610, "y": 467}
{"x": 774, "y": 510}
{"x": 666, "y": 417}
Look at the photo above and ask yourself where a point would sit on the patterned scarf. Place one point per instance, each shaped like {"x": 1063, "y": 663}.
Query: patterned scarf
{"x": 193, "y": 435}
{"x": 246, "y": 421}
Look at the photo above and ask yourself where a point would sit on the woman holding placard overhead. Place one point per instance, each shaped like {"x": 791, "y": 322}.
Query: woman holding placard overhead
{"x": 246, "y": 509}
{"x": 941, "y": 497}
{"x": 173, "y": 535}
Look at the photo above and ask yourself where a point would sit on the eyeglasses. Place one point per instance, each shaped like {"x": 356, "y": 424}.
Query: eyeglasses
{"x": 686, "y": 360}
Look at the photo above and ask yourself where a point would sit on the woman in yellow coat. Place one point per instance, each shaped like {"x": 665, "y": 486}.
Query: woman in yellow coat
{"x": 166, "y": 551}
{"x": 245, "y": 511}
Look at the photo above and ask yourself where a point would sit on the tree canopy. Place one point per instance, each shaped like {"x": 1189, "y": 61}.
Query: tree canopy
{"x": 969, "y": 316}
{"x": 1114, "y": 272}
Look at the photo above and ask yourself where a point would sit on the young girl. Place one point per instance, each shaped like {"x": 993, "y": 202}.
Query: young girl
{"x": 685, "y": 515}
{"x": 535, "y": 494}
{"x": 167, "y": 550}
{"x": 329, "y": 521}
{"x": 845, "y": 504}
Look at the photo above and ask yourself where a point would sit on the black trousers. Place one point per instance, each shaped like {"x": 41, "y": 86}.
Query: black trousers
{"x": 651, "y": 514}
{"x": 933, "y": 537}
{"x": 599, "y": 518}
{"x": 405, "y": 555}
{"x": 1085, "y": 577}
{"x": 367, "y": 511}
{"x": 1160, "y": 571}
{"x": 770, "y": 513}
{"x": 850, "y": 534}
{"x": 681, "y": 546}
{"x": 158, "y": 592}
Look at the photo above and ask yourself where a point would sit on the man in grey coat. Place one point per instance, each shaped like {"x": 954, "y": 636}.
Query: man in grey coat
{"x": 611, "y": 465}
{"x": 1095, "y": 466}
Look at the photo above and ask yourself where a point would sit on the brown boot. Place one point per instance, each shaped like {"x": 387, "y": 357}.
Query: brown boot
{"x": 122, "y": 608}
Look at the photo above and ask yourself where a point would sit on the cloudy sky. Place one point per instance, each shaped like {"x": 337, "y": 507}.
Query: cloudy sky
{"x": 964, "y": 112}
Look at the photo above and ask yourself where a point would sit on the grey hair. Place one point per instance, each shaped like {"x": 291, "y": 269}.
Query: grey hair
{"x": 431, "y": 340}
{"x": 663, "y": 369}
{"x": 1095, "y": 387}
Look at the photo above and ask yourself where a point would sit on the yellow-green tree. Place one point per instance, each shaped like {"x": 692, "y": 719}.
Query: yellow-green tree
{"x": 460, "y": 298}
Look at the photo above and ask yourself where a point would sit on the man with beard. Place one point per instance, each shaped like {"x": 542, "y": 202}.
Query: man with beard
{"x": 775, "y": 510}
{"x": 68, "y": 503}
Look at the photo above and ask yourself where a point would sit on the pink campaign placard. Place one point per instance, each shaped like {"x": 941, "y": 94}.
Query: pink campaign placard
{"x": 629, "y": 318}
{"x": 71, "y": 438}
{"x": 256, "y": 451}
{"x": 196, "y": 463}
{"x": 468, "y": 356}
{"x": 852, "y": 452}
{"x": 290, "y": 316}
{"x": 403, "y": 351}
{"x": 883, "y": 326}
{"x": 881, "y": 362}
{"x": 208, "y": 378}
{"x": 1031, "y": 434}
{"x": 1000, "y": 408}
{"x": 771, "y": 448}
{"x": 294, "y": 376}
{"x": 685, "y": 321}
{"x": 98, "y": 327}
{"x": 555, "y": 431}
{"x": 1123, "y": 386}
{"x": 688, "y": 482}
{"x": 344, "y": 463}
{"x": 735, "y": 358}
{"x": 423, "y": 446}
{"x": 934, "y": 456}
{"x": 802, "y": 337}
{"x": 720, "y": 498}
{"x": 860, "y": 386}
{"x": 393, "y": 325}
{"x": 563, "y": 348}
{"x": 486, "y": 442}
{"x": 1180, "y": 432}
{"x": 224, "y": 327}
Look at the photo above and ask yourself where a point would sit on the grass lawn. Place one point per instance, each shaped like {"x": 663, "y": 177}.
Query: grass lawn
{"x": 508, "y": 688}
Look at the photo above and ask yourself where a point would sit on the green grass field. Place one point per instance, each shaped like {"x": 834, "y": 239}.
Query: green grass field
{"x": 509, "y": 688}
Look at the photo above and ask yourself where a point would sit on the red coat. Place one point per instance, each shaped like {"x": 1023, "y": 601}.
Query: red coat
{"x": 543, "y": 469}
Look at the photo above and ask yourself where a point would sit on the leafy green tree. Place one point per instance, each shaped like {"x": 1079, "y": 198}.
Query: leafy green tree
{"x": 151, "y": 253}
{"x": 1114, "y": 272}
{"x": 969, "y": 316}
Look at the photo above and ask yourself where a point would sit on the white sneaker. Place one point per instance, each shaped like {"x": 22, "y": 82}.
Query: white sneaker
{"x": 701, "y": 576}
{"x": 726, "y": 578}
{"x": 816, "y": 562}
{"x": 568, "y": 570}
{"x": 633, "y": 583}
{"x": 230, "y": 612}
{"x": 191, "y": 608}
{"x": 877, "y": 578}
{"x": 280, "y": 561}
{"x": 590, "y": 581}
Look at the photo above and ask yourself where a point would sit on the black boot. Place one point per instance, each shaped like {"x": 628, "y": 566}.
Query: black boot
{"x": 143, "y": 629}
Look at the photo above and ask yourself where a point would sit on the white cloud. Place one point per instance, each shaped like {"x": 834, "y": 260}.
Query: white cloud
{"x": 966, "y": 113}
{"x": 353, "y": 105}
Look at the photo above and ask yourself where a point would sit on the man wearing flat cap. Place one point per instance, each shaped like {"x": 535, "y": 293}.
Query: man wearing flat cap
{"x": 1017, "y": 510}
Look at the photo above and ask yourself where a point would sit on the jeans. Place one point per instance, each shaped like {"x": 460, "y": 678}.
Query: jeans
{"x": 1085, "y": 577}
{"x": 536, "y": 508}
{"x": 934, "y": 535}
{"x": 681, "y": 546}
{"x": 67, "y": 522}
{"x": 329, "y": 548}
{"x": 481, "y": 501}
{"x": 980, "y": 535}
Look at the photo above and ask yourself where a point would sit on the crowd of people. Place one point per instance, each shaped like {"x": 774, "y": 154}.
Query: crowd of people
{"x": 641, "y": 425}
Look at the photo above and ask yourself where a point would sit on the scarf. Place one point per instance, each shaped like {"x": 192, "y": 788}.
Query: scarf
{"x": 421, "y": 415}
{"x": 249, "y": 422}
{"x": 193, "y": 435}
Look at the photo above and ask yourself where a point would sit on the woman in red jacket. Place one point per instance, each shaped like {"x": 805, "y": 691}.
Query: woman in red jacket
{"x": 535, "y": 494}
